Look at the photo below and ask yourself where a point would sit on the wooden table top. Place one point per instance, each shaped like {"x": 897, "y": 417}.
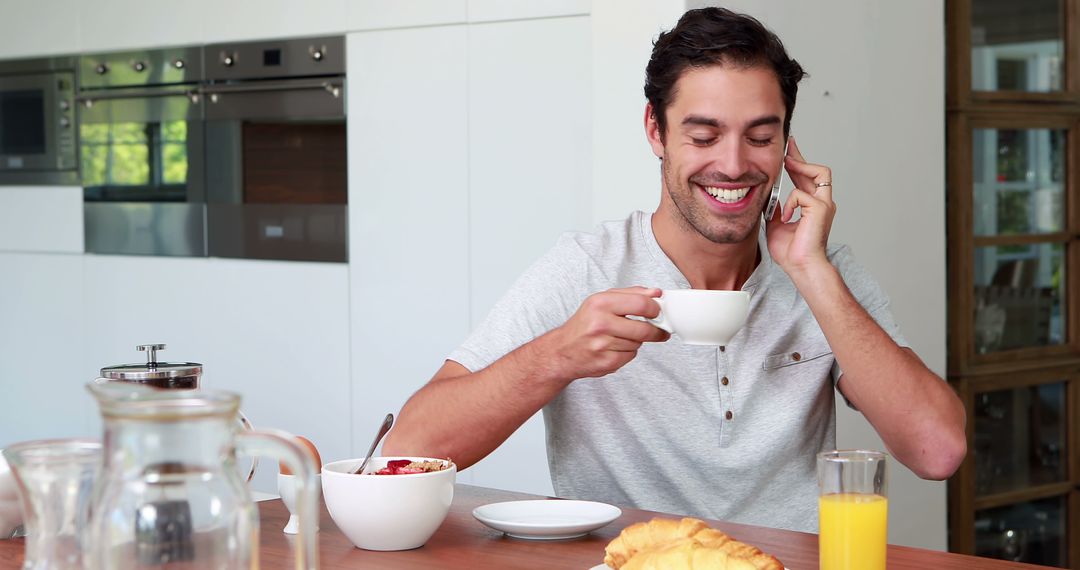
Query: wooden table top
{"x": 462, "y": 542}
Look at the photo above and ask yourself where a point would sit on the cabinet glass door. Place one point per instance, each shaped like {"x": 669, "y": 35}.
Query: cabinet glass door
{"x": 1032, "y": 532}
{"x": 1017, "y": 46}
{"x": 1020, "y": 239}
{"x": 1020, "y": 438}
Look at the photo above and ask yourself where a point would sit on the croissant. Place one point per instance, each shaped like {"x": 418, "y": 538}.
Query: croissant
{"x": 688, "y": 554}
{"x": 681, "y": 536}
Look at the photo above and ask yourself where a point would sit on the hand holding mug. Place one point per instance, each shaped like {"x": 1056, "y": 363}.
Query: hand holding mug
{"x": 598, "y": 339}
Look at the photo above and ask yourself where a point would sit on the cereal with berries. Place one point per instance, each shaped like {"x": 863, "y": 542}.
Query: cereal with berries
{"x": 407, "y": 467}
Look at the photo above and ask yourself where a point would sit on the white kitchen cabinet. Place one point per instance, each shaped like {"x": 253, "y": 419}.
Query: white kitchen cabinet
{"x": 380, "y": 14}
{"x": 626, "y": 174}
{"x": 42, "y": 379}
{"x": 41, "y": 219}
{"x": 529, "y": 146}
{"x": 112, "y": 25}
{"x": 40, "y": 28}
{"x": 275, "y": 332}
{"x": 496, "y": 10}
{"x": 529, "y": 180}
{"x": 230, "y": 20}
{"x": 408, "y": 213}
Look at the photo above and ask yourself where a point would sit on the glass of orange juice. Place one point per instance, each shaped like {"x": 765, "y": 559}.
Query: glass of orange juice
{"x": 852, "y": 510}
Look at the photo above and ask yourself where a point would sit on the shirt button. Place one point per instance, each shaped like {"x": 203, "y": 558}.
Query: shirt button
{"x": 728, "y": 414}
{"x": 724, "y": 381}
{"x": 796, "y": 356}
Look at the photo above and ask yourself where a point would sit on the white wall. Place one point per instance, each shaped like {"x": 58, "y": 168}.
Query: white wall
{"x": 625, "y": 173}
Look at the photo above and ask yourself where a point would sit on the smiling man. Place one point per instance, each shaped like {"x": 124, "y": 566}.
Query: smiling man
{"x": 635, "y": 419}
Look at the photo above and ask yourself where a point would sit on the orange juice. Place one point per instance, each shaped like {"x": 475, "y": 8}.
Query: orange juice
{"x": 852, "y": 531}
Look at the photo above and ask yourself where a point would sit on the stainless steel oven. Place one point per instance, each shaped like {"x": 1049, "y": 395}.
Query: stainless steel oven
{"x": 276, "y": 161}
{"x": 37, "y": 127}
{"x": 141, "y": 152}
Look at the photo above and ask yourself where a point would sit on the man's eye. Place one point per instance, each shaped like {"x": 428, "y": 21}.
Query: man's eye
{"x": 702, "y": 142}
{"x": 760, "y": 142}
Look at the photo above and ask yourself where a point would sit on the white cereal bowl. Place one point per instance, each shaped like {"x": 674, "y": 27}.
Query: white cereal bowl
{"x": 387, "y": 512}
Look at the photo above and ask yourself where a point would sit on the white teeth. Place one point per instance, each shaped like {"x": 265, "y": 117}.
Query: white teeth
{"x": 727, "y": 196}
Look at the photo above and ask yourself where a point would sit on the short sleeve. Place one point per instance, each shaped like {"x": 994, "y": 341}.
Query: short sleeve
{"x": 541, "y": 299}
{"x": 870, "y": 296}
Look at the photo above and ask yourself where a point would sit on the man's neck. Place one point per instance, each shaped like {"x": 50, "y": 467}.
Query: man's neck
{"x": 706, "y": 265}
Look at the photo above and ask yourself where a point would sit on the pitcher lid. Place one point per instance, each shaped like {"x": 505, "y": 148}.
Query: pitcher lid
{"x": 152, "y": 369}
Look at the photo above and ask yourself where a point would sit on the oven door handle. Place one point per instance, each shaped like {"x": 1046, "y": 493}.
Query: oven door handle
{"x": 331, "y": 86}
{"x": 89, "y": 99}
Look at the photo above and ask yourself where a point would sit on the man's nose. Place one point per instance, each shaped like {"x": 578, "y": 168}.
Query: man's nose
{"x": 731, "y": 158}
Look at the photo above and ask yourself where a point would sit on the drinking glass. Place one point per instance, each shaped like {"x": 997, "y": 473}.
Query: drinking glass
{"x": 852, "y": 510}
{"x": 55, "y": 479}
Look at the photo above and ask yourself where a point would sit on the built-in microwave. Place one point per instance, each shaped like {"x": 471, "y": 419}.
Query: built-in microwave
{"x": 37, "y": 128}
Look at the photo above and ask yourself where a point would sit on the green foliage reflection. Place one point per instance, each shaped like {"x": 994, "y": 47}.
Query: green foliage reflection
{"x": 124, "y": 154}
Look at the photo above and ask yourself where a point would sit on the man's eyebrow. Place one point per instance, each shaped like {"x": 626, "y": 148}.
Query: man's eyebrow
{"x": 760, "y": 121}
{"x": 699, "y": 120}
{"x": 710, "y": 122}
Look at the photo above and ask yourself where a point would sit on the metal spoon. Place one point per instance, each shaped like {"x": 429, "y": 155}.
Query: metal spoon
{"x": 387, "y": 423}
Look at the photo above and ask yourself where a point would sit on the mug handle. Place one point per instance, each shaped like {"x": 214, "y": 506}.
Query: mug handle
{"x": 661, "y": 321}
{"x": 284, "y": 447}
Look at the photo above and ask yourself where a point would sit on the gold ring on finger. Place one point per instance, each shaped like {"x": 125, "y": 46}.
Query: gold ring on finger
{"x": 823, "y": 184}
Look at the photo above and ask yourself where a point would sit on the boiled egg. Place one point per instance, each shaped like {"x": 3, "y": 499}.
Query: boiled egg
{"x": 311, "y": 449}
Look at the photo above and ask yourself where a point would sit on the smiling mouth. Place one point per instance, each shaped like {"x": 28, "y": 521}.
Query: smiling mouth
{"x": 727, "y": 195}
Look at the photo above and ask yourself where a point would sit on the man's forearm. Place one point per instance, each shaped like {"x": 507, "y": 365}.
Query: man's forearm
{"x": 915, "y": 412}
{"x": 465, "y": 416}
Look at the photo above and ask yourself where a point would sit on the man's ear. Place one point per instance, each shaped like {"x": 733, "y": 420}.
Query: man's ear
{"x": 653, "y": 132}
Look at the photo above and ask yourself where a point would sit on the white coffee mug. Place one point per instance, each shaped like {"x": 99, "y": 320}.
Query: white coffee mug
{"x": 700, "y": 316}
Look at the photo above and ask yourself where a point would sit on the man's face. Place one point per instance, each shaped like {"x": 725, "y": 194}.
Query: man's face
{"x": 723, "y": 146}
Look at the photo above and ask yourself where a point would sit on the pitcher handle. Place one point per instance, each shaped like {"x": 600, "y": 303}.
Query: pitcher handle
{"x": 285, "y": 447}
{"x": 246, "y": 425}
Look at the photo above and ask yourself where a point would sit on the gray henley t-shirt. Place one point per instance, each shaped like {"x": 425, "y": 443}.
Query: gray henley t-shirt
{"x": 690, "y": 430}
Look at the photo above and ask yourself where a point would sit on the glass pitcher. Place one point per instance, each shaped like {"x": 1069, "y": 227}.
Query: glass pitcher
{"x": 169, "y": 495}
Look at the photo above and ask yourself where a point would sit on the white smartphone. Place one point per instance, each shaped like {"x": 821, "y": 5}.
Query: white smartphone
{"x": 774, "y": 196}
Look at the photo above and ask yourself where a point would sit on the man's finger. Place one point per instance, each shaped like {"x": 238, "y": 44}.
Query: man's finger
{"x": 799, "y": 199}
{"x": 637, "y": 331}
{"x": 623, "y": 303}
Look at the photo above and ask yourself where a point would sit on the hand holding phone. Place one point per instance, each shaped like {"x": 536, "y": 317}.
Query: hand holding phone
{"x": 774, "y": 196}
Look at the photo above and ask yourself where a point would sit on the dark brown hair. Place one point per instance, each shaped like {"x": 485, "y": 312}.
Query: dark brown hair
{"x": 716, "y": 36}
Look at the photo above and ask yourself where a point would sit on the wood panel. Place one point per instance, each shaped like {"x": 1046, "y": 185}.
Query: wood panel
{"x": 961, "y": 486}
{"x": 1025, "y": 495}
{"x": 463, "y": 543}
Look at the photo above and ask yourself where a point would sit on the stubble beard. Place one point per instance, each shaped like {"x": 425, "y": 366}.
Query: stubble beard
{"x": 693, "y": 216}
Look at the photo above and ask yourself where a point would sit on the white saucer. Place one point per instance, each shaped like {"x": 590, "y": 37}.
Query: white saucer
{"x": 546, "y": 519}
{"x": 606, "y": 567}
